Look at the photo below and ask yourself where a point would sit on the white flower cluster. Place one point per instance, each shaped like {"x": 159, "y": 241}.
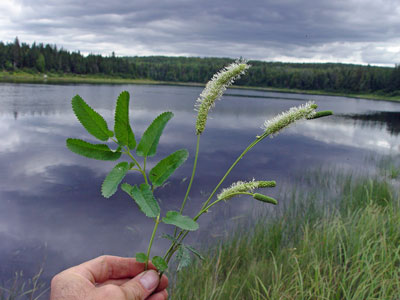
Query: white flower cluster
{"x": 214, "y": 90}
{"x": 273, "y": 126}
{"x": 242, "y": 187}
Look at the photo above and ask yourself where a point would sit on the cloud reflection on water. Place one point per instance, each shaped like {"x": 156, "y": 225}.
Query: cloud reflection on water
{"x": 51, "y": 196}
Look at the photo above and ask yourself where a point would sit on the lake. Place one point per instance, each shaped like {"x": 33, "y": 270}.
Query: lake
{"x": 52, "y": 213}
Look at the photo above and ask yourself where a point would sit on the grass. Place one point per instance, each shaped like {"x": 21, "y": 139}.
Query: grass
{"x": 21, "y": 288}
{"x": 23, "y": 76}
{"x": 339, "y": 242}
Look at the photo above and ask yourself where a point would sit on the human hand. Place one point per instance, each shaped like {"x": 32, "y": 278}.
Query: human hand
{"x": 109, "y": 277}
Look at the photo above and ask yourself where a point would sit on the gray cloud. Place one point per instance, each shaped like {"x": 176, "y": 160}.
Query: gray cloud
{"x": 358, "y": 31}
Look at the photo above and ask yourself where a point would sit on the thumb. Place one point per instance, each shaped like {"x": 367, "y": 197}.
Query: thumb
{"x": 140, "y": 287}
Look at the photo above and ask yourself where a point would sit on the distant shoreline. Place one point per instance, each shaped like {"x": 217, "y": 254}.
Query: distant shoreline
{"x": 25, "y": 77}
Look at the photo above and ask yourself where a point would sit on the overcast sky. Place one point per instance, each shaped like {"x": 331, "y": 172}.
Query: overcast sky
{"x": 353, "y": 31}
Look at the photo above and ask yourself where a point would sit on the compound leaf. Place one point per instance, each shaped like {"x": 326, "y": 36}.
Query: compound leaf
{"x": 194, "y": 251}
{"x": 95, "y": 151}
{"x": 113, "y": 179}
{"x": 149, "y": 141}
{"x": 161, "y": 172}
{"x": 144, "y": 199}
{"x": 159, "y": 263}
{"x": 122, "y": 128}
{"x": 93, "y": 122}
{"x": 183, "y": 257}
{"x": 183, "y": 222}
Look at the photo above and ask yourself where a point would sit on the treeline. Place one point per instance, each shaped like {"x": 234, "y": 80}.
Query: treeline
{"x": 330, "y": 77}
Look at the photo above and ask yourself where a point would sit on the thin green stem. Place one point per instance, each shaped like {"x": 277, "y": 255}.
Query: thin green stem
{"x": 193, "y": 172}
{"x": 182, "y": 234}
{"x": 136, "y": 162}
{"x": 191, "y": 179}
{"x": 219, "y": 200}
{"x": 144, "y": 163}
{"x": 230, "y": 169}
{"x": 157, "y": 221}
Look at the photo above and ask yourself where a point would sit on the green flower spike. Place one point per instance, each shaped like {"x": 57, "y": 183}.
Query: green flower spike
{"x": 244, "y": 187}
{"x": 214, "y": 90}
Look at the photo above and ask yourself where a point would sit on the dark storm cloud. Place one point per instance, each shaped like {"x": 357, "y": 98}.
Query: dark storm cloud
{"x": 352, "y": 30}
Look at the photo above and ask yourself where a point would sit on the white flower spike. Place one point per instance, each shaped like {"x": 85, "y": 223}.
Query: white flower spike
{"x": 214, "y": 90}
{"x": 273, "y": 126}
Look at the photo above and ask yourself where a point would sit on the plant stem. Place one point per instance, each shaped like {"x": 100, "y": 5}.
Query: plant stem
{"x": 136, "y": 162}
{"x": 229, "y": 170}
{"x": 193, "y": 172}
{"x": 182, "y": 234}
{"x": 191, "y": 179}
{"x": 157, "y": 221}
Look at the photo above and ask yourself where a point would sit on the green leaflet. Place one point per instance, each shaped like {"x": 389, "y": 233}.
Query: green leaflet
{"x": 93, "y": 122}
{"x": 183, "y": 222}
{"x": 194, "y": 251}
{"x": 122, "y": 129}
{"x": 161, "y": 172}
{"x": 141, "y": 257}
{"x": 159, "y": 263}
{"x": 113, "y": 179}
{"x": 183, "y": 257}
{"x": 149, "y": 141}
{"x": 144, "y": 199}
{"x": 95, "y": 151}
{"x": 190, "y": 248}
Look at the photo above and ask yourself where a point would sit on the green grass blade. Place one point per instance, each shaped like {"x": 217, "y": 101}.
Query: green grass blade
{"x": 122, "y": 128}
{"x": 93, "y": 122}
{"x": 144, "y": 199}
{"x": 183, "y": 222}
{"x": 113, "y": 179}
{"x": 95, "y": 151}
{"x": 149, "y": 141}
{"x": 164, "y": 169}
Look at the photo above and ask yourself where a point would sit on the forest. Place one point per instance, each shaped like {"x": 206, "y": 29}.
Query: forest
{"x": 329, "y": 77}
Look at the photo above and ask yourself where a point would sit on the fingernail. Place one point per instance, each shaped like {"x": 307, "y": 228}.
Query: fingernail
{"x": 149, "y": 279}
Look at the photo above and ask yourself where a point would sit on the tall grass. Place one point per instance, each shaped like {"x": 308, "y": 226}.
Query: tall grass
{"x": 21, "y": 288}
{"x": 339, "y": 242}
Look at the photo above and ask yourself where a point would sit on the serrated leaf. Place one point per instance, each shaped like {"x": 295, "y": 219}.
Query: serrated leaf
{"x": 159, "y": 263}
{"x": 93, "y": 122}
{"x": 122, "y": 128}
{"x": 194, "y": 251}
{"x": 141, "y": 257}
{"x": 95, "y": 151}
{"x": 183, "y": 257}
{"x": 144, "y": 199}
{"x": 161, "y": 172}
{"x": 183, "y": 222}
{"x": 113, "y": 179}
{"x": 149, "y": 141}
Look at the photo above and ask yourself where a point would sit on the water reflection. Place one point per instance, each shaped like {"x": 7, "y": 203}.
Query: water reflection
{"x": 389, "y": 119}
{"x": 51, "y": 209}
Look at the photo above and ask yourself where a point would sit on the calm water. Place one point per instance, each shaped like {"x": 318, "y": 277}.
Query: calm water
{"x": 51, "y": 209}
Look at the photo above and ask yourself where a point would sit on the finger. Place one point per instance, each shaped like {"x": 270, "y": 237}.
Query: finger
{"x": 163, "y": 295}
{"x": 163, "y": 284}
{"x": 117, "y": 282}
{"x": 141, "y": 286}
{"x": 107, "y": 267}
